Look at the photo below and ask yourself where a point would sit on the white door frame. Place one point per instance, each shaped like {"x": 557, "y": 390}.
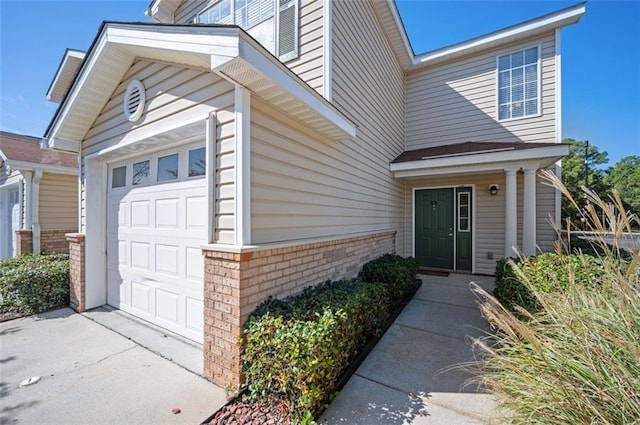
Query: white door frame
{"x": 473, "y": 219}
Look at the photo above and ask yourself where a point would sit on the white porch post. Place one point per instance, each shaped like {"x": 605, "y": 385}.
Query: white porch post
{"x": 529, "y": 212}
{"x": 27, "y": 200}
{"x": 510, "y": 212}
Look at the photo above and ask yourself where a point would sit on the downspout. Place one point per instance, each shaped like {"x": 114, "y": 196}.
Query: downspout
{"x": 35, "y": 208}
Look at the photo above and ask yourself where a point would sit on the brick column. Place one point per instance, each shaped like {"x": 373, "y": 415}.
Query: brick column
{"x": 24, "y": 241}
{"x": 235, "y": 283}
{"x": 76, "y": 271}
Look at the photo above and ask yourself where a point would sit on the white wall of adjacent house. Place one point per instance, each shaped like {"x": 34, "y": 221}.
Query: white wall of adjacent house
{"x": 456, "y": 102}
{"x": 489, "y": 224}
{"x": 309, "y": 63}
{"x": 11, "y": 211}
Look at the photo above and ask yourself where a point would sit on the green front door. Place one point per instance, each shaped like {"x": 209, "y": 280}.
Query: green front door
{"x": 434, "y": 228}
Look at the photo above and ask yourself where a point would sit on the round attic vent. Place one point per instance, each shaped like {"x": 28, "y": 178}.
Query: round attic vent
{"x": 134, "y": 98}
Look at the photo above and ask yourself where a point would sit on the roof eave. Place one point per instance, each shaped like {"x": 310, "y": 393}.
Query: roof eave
{"x": 224, "y": 50}
{"x": 479, "y": 162}
{"x": 55, "y": 93}
{"x": 559, "y": 19}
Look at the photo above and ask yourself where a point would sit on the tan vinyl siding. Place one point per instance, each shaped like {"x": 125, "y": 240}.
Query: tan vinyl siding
{"x": 457, "y": 102}
{"x": 368, "y": 86}
{"x": 175, "y": 96}
{"x": 58, "y": 202}
{"x": 489, "y": 214}
{"x": 309, "y": 64}
{"x": 303, "y": 186}
{"x": 224, "y": 213}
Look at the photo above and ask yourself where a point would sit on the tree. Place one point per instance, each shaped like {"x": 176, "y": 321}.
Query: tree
{"x": 625, "y": 177}
{"x": 573, "y": 168}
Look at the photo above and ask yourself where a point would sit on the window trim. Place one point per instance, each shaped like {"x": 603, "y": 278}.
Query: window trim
{"x": 468, "y": 216}
{"x": 539, "y": 88}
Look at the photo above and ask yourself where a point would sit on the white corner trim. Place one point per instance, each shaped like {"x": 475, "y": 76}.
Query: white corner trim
{"x": 327, "y": 84}
{"x": 35, "y": 211}
{"x": 243, "y": 166}
{"x": 211, "y": 170}
{"x": 558, "y": 87}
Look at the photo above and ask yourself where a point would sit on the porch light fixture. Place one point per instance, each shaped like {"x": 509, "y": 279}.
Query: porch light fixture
{"x": 493, "y": 189}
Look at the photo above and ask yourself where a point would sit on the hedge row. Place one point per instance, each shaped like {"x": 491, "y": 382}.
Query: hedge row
{"x": 296, "y": 349}
{"x": 546, "y": 273}
{"x": 34, "y": 283}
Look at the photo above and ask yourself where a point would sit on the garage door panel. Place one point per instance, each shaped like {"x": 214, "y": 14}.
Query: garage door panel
{"x": 155, "y": 263}
{"x": 194, "y": 314}
{"x": 140, "y": 214}
{"x": 196, "y": 212}
{"x": 167, "y": 305}
{"x": 167, "y": 213}
{"x": 168, "y": 259}
{"x": 194, "y": 264}
{"x": 141, "y": 297}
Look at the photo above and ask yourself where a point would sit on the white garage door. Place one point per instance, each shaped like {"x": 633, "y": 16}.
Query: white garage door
{"x": 156, "y": 223}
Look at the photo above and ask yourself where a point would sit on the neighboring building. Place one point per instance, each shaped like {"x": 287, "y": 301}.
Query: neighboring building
{"x": 296, "y": 161}
{"x": 38, "y": 197}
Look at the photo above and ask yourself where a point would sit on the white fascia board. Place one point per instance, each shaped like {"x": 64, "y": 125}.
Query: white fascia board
{"x": 95, "y": 56}
{"x": 60, "y": 144}
{"x": 207, "y": 41}
{"x": 62, "y": 69}
{"x": 279, "y": 74}
{"x": 159, "y": 13}
{"x": 403, "y": 33}
{"x": 47, "y": 168}
{"x": 562, "y": 18}
{"x": 490, "y": 159}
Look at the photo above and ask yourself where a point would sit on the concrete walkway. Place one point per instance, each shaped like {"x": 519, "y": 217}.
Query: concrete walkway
{"x": 405, "y": 379}
{"x": 92, "y": 375}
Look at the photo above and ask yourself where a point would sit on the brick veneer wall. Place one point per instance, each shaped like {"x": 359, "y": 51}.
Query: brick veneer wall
{"x": 76, "y": 271}
{"x": 24, "y": 242}
{"x": 236, "y": 282}
{"x": 54, "y": 241}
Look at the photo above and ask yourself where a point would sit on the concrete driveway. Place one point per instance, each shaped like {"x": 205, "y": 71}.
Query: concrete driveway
{"x": 92, "y": 375}
{"x": 407, "y": 377}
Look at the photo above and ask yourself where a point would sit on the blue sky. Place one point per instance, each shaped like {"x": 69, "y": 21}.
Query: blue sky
{"x": 600, "y": 62}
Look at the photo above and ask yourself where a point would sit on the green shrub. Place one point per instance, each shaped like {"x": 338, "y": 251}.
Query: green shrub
{"x": 34, "y": 283}
{"x": 297, "y": 348}
{"x": 546, "y": 273}
{"x": 396, "y": 272}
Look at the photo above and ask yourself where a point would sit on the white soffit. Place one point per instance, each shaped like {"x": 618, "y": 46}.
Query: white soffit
{"x": 484, "y": 161}
{"x": 67, "y": 70}
{"x": 225, "y": 50}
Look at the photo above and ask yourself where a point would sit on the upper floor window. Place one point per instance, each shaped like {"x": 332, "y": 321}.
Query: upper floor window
{"x": 273, "y": 23}
{"x": 519, "y": 84}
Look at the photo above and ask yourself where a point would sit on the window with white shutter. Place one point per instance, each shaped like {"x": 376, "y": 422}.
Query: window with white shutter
{"x": 273, "y": 23}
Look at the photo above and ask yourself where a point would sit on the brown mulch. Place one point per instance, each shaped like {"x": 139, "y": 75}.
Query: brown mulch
{"x": 10, "y": 315}
{"x": 245, "y": 412}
